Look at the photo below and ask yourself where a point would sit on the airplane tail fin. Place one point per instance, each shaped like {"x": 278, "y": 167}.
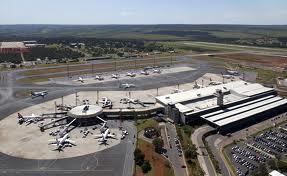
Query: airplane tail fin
{"x": 19, "y": 116}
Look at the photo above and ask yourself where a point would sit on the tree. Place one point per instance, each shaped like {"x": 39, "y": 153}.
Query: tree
{"x": 158, "y": 144}
{"x": 146, "y": 166}
{"x": 138, "y": 157}
{"x": 272, "y": 164}
{"x": 190, "y": 152}
{"x": 282, "y": 166}
{"x": 260, "y": 171}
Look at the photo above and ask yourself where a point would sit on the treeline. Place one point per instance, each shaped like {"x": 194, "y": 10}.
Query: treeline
{"x": 42, "y": 53}
{"x": 51, "y": 53}
{"x": 15, "y": 58}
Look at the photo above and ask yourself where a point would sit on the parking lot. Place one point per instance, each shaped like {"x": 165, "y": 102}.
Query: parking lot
{"x": 247, "y": 155}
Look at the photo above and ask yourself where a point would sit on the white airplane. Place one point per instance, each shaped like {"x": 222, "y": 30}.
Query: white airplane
{"x": 131, "y": 74}
{"x": 99, "y": 78}
{"x": 80, "y": 79}
{"x": 115, "y": 76}
{"x": 126, "y": 85}
{"x": 155, "y": 70}
{"x": 104, "y": 136}
{"x": 197, "y": 86}
{"x": 177, "y": 91}
{"x": 232, "y": 72}
{"x": 133, "y": 101}
{"x": 143, "y": 72}
{"x": 106, "y": 102}
{"x": 215, "y": 83}
{"x": 63, "y": 142}
{"x": 28, "y": 119}
{"x": 39, "y": 94}
{"x": 227, "y": 76}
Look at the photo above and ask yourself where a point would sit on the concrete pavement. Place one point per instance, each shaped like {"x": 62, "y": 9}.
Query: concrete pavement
{"x": 203, "y": 158}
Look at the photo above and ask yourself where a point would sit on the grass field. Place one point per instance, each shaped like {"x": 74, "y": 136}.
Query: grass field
{"x": 142, "y": 124}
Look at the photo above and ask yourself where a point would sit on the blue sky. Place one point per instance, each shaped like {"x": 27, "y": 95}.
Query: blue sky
{"x": 143, "y": 12}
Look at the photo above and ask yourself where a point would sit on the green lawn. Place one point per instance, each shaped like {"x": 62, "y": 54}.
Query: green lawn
{"x": 142, "y": 124}
{"x": 32, "y": 80}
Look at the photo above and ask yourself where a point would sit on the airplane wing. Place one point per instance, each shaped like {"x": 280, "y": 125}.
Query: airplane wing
{"x": 111, "y": 136}
{"x": 70, "y": 141}
{"x": 52, "y": 142}
{"x": 98, "y": 136}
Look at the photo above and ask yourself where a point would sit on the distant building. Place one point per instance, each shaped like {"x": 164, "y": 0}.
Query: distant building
{"x": 13, "y": 47}
{"x": 77, "y": 45}
{"x": 33, "y": 44}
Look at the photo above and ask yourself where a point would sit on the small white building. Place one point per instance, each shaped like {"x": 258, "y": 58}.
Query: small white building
{"x": 276, "y": 173}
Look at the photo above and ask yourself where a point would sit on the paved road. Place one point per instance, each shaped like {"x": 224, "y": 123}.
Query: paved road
{"x": 203, "y": 158}
{"x": 176, "y": 161}
{"x": 214, "y": 143}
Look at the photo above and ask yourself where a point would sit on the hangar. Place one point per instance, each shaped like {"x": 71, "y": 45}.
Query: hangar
{"x": 228, "y": 106}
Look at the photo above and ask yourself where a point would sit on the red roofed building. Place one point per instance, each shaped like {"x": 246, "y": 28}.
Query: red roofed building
{"x": 13, "y": 47}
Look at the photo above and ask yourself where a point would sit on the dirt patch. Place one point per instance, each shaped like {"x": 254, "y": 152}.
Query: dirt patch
{"x": 273, "y": 61}
{"x": 157, "y": 161}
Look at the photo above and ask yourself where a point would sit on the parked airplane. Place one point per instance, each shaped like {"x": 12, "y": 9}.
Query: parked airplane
{"x": 133, "y": 101}
{"x": 39, "y": 94}
{"x": 106, "y": 102}
{"x": 197, "y": 86}
{"x": 227, "y": 76}
{"x": 104, "y": 136}
{"x": 177, "y": 91}
{"x": 215, "y": 83}
{"x": 115, "y": 76}
{"x": 99, "y": 78}
{"x": 81, "y": 79}
{"x": 63, "y": 142}
{"x": 131, "y": 74}
{"x": 144, "y": 72}
{"x": 28, "y": 119}
{"x": 126, "y": 85}
{"x": 155, "y": 70}
{"x": 232, "y": 72}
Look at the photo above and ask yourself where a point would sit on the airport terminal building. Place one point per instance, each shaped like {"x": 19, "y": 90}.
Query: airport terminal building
{"x": 226, "y": 107}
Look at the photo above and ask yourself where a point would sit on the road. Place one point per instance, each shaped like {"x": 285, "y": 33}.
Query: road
{"x": 203, "y": 158}
{"x": 173, "y": 156}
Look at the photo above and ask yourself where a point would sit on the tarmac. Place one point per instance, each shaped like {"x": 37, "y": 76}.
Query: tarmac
{"x": 115, "y": 160}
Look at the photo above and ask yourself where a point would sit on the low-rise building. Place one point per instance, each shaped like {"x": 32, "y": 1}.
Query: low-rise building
{"x": 226, "y": 107}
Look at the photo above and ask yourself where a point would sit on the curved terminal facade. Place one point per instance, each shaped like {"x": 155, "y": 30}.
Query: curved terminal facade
{"x": 85, "y": 115}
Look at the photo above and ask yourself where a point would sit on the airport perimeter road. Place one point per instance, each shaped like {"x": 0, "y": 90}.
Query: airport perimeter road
{"x": 173, "y": 154}
{"x": 214, "y": 144}
{"x": 203, "y": 158}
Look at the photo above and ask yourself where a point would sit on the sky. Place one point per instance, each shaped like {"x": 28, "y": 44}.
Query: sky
{"x": 256, "y": 12}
